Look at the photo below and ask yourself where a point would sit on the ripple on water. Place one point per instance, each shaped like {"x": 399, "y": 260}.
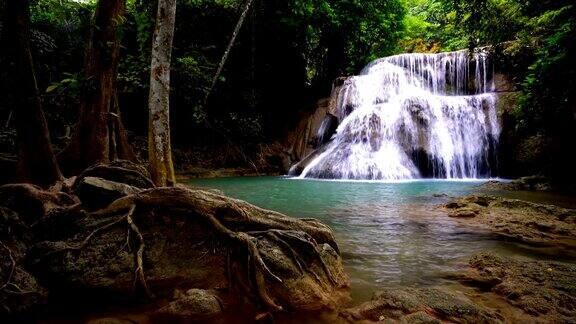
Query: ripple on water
{"x": 389, "y": 233}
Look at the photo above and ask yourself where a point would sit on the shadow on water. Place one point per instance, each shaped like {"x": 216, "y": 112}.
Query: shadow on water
{"x": 389, "y": 233}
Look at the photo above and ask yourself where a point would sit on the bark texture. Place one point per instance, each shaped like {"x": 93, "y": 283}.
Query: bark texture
{"x": 36, "y": 160}
{"x": 159, "y": 149}
{"x": 99, "y": 134}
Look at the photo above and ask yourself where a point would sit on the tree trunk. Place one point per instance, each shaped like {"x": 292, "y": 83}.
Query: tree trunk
{"x": 245, "y": 9}
{"x": 159, "y": 150}
{"x": 36, "y": 160}
{"x": 99, "y": 135}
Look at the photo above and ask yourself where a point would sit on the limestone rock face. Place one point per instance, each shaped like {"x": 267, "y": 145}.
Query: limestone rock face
{"x": 303, "y": 139}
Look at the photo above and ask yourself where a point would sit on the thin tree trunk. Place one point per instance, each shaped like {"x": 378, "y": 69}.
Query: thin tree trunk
{"x": 159, "y": 150}
{"x": 245, "y": 9}
{"x": 36, "y": 160}
{"x": 223, "y": 60}
{"x": 99, "y": 124}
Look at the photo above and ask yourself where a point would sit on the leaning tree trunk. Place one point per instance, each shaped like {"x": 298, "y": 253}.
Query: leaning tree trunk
{"x": 99, "y": 135}
{"x": 159, "y": 150}
{"x": 36, "y": 160}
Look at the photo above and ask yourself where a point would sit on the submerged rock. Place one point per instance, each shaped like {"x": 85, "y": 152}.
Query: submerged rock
{"x": 520, "y": 220}
{"x": 490, "y": 289}
{"x": 530, "y": 183}
{"x": 544, "y": 290}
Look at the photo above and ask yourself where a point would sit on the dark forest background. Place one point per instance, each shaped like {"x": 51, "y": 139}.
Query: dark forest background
{"x": 287, "y": 55}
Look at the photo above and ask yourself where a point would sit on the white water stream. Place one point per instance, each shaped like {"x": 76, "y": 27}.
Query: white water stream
{"x": 412, "y": 116}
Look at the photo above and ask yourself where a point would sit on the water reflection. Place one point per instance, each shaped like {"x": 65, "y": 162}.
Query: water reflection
{"x": 404, "y": 243}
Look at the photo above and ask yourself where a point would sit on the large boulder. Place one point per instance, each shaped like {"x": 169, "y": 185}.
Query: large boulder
{"x": 198, "y": 239}
{"x": 120, "y": 171}
{"x": 97, "y": 192}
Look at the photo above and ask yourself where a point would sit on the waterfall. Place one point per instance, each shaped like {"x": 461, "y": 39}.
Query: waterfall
{"x": 414, "y": 116}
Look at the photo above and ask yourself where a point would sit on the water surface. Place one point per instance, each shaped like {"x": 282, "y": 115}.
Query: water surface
{"x": 389, "y": 233}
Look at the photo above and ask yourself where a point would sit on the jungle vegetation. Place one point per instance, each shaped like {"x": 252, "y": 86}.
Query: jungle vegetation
{"x": 284, "y": 58}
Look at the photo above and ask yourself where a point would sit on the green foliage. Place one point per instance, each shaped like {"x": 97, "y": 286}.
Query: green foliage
{"x": 71, "y": 84}
{"x": 550, "y": 85}
{"x": 347, "y": 33}
{"x": 447, "y": 25}
{"x": 134, "y": 74}
{"x": 194, "y": 75}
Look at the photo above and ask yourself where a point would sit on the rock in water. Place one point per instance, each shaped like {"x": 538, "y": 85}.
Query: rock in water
{"x": 524, "y": 221}
{"x": 544, "y": 290}
{"x": 493, "y": 289}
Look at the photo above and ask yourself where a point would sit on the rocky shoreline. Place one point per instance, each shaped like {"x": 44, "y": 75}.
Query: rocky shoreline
{"x": 109, "y": 247}
{"x": 526, "y": 222}
{"x": 492, "y": 288}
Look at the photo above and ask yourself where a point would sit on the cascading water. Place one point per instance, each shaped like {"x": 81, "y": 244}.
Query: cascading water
{"x": 411, "y": 116}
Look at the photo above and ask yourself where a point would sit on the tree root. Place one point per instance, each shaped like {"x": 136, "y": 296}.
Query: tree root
{"x": 12, "y": 266}
{"x": 221, "y": 214}
{"x": 139, "y": 275}
{"x": 281, "y": 238}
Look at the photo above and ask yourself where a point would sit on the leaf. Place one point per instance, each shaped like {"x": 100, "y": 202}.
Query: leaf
{"x": 52, "y": 87}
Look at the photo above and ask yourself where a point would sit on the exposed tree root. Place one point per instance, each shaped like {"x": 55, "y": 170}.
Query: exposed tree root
{"x": 282, "y": 237}
{"x": 139, "y": 275}
{"x": 221, "y": 214}
{"x": 230, "y": 212}
{"x": 31, "y": 202}
{"x": 235, "y": 222}
{"x": 12, "y": 265}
